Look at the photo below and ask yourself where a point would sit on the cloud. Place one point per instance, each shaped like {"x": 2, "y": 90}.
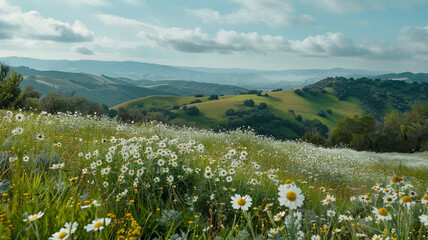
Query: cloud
{"x": 274, "y": 13}
{"x": 352, "y": 6}
{"x": 338, "y": 45}
{"x": 414, "y": 39}
{"x": 330, "y": 44}
{"x": 83, "y": 50}
{"x": 16, "y": 24}
{"x": 93, "y": 3}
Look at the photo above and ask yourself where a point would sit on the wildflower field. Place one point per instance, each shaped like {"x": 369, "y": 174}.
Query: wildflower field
{"x": 79, "y": 177}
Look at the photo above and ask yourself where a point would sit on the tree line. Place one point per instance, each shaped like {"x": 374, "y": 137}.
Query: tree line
{"x": 407, "y": 132}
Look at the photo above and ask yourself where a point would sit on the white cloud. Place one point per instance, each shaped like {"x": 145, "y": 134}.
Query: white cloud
{"x": 83, "y": 50}
{"x": 319, "y": 46}
{"x": 15, "y": 24}
{"x": 93, "y": 3}
{"x": 274, "y": 13}
{"x": 414, "y": 39}
{"x": 352, "y": 6}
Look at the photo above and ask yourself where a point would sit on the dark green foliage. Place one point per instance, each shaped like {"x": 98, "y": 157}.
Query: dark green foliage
{"x": 358, "y": 133}
{"x": 136, "y": 114}
{"x": 195, "y": 101}
{"x": 54, "y": 102}
{"x": 375, "y": 94}
{"x": 329, "y": 111}
{"x": 230, "y": 112}
{"x": 199, "y": 95}
{"x": 111, "y": 113}
{"x": 298, "y": 118}
{"x": 321, "y": 113}
{"x": 299, "y": 92}
{"x": 262, "y": 106}
{"x": 315, "y": 139}
{"x": 249, "y": 103}
{"x": 213, "y": 97}
{"x": 192, "y": 111}
{"x": 277, "y": 90}
{"x": 175, "y": 107}
{"x": 263, "y": 122}
{"x": 291, "y": 111}
{"x": 123, "y": 115}
{"x": 315, "y": 126}
{"x": 10, "y": 93}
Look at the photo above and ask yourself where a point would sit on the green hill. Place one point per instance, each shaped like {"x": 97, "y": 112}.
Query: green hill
{"x": 284, "y": 104}
{"x": 290, "y": 113}
{"x": 111, "y": 90}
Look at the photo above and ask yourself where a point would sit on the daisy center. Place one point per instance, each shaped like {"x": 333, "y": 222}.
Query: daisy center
{"x": 382, "y": 212}
{"x": 389, "y": 199}
{"x": 425, "y": 197}
{"x": 34, "y": 217}
{"x": 377, "y": 238}
{"x": 328, "y": 200}
{"x": 98, "y": 225}
{"x": 241, "y": 202}
{"x": 62, "y": 235}
{"x": 288, "y": 181}
{"x": 406, "y": 199}
{"x": 367, "y": 198}
{"x": 291, "y": 196}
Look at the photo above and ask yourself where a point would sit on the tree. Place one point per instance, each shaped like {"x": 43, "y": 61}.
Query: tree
{"x": 192, "y": 111}
{"x": 136, "y": 114}
{"x": 122, "y": 115}
{"x": 262, "y": 106}
{"x": 249, "y": 103}
{"x": 10, "y": 93}
{"x": 213, "y": 97}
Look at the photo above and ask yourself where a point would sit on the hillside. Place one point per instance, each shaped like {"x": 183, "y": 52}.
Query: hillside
{"x": 112, "y": 90}
{"x": 247, "y": 78}
{"x": 291, "y": 113}
{"x": 405, "y": 76}
{"x": 154, "y": 181}
{"x": 283, "y": 104}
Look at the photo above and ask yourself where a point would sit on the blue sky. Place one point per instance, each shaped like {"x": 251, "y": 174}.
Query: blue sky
{"x": 390, "y": 35}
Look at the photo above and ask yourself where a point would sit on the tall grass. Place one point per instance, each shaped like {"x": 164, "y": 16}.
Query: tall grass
{"x": 156, "y": 181}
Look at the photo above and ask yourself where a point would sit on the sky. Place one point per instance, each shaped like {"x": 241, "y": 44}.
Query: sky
{"x": 387, "y": 35}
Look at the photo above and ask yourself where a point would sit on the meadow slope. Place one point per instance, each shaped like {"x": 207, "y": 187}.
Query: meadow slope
{"x": 85, "y": 177}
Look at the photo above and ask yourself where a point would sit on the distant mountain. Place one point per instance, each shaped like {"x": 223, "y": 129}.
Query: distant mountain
{"x": 246, "y": 78}
{"x": 405, "y": 76}
{"x": 112, "y": 90}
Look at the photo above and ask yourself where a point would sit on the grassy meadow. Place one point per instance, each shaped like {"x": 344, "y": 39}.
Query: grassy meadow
{"x": 213, "y": 112}
{"x": 79, "y": 177}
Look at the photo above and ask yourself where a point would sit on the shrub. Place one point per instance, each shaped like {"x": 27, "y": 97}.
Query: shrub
{"x": 192, "y": 111}
{"x": 249, "y": 103}
{"x": 213, "y": 97}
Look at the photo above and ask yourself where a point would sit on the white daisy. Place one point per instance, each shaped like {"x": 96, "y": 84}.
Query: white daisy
{"x": 241, "y": 202}
{"x": 97, "y": 224}
{"x": 290, "y": 196}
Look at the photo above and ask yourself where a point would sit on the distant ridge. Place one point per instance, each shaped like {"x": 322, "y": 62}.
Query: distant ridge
{"x": 112, "y": 90}
{"x": 246, "y": 78}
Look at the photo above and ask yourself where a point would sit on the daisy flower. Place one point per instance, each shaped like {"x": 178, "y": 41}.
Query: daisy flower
{"x": 316, "y": 237}
{"x": 424, "y": 220}
{"x": 407, "y": 201}
{"x": 290, "y": 196}
{"x": 229, "y": 179}
{"x": 382, "y": 214}
{"x": 97, "y": 224}
{"x": 278, "y": 216}
{"x": 33, "y": 217}
{"x": 19, "y": 117}
{"x": 331, "y": 213}
{"x": 57, "y": 166}
{"x": 241, "y": 202}
{"x": 328, "y": 199}
{"x": 424, "y": 199}
{"x": 377, "y": 237}
{"x": 272, "y": 232}
{"x": 26, "y": 158}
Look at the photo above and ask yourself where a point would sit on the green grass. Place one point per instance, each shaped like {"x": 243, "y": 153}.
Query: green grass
{"x": 141, "y": 208}
{"x": 212, "y": 112}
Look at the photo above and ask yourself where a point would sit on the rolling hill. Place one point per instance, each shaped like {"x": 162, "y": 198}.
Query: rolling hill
{"x": 212, "y": 113}
{"x": 112, "y": 90}
{"x": 246, "y": 78}
{"x": 328, "y": 101}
